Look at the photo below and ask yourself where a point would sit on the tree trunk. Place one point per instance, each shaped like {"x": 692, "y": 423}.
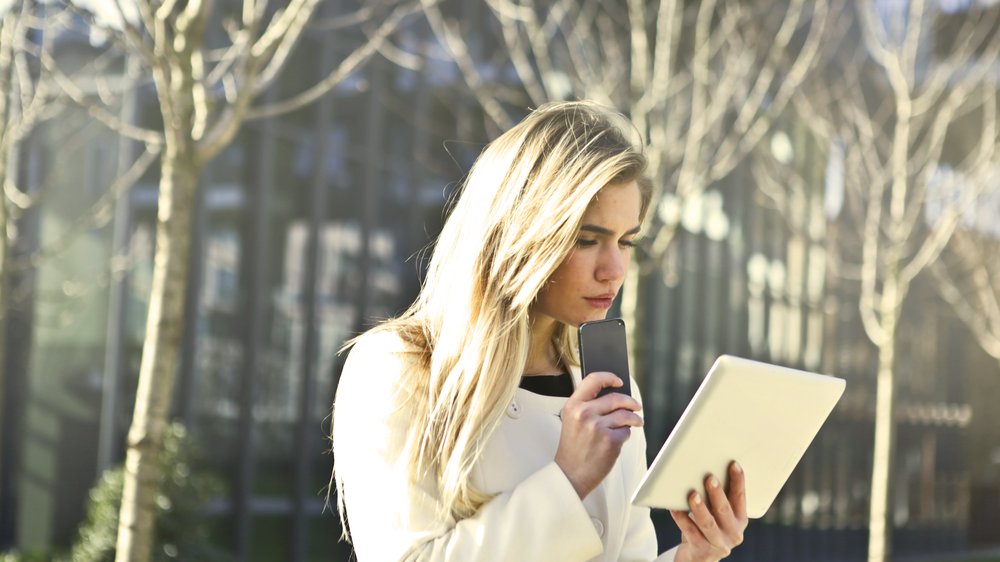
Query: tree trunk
{"x": 5, "y": 306}
{"x": 629, "y": 312}
{"x": 164, "y": 324}
{"x": 9, "y": 25}
{"x": 879, "y": 527}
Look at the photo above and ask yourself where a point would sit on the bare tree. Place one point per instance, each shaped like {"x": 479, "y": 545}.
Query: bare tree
{"x": 205, "y": 93}
{"x": 30, "y": 102}
{"x": 702, "y": 81}
{"x": 969, "y": 278}
{"x": 14, "y": 123}
{"x": 895, "y": 107}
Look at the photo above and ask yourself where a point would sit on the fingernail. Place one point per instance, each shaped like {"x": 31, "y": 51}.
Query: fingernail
{"x": 737, "y": 467}
{"x": 713, "y": 482}
{"x": 696, "y": 499}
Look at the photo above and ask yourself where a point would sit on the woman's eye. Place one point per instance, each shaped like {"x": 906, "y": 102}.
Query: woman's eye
{"x": 627, "y": 243}
{"x": 583, "y": 243}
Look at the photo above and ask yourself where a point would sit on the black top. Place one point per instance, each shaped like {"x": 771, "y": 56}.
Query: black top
{"x": 549, "y": 385}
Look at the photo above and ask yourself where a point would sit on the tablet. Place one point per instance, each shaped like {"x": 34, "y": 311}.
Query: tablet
{"x": 763, "y": 416}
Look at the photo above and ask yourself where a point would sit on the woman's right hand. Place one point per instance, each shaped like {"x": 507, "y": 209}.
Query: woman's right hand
{"x": 594, "y": 430}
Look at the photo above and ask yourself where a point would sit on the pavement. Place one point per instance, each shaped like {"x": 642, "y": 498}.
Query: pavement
{"x": 983, "y": 555}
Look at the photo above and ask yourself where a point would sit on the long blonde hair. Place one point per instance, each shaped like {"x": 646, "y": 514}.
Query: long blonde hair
{"x": 516, "y": 220}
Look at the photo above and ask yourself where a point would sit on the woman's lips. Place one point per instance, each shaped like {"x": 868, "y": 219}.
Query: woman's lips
{"x": 602, "y": 302}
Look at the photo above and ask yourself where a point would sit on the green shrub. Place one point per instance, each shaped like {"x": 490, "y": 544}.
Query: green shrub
{"x": 181, "y": 522}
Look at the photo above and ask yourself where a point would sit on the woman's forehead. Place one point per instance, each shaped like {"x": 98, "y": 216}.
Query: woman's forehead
{"x": 615, "y": 206}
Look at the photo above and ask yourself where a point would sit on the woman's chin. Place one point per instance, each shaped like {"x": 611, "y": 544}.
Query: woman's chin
{"x": 575, "y": 320}
{"x": 592, "y": 317}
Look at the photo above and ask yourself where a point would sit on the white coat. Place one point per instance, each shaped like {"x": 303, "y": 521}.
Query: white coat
{"x": 536, "y": 515}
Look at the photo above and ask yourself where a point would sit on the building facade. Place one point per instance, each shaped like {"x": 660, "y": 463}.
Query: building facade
{"x": 310, "y": 228}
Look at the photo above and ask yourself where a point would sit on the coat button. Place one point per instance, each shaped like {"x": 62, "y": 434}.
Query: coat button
{"x": 598, "y": 526}
{"x": 514, "y": 410}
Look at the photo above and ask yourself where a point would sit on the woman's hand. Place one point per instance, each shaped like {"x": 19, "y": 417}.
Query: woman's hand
{"x": 709, "y": 532}
{"x": 594, "y": 430}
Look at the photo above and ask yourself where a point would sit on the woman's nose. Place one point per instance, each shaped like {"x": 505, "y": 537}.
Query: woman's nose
{"x": 612, "y": 265}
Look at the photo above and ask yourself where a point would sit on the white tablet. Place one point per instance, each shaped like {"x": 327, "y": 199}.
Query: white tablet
{"x": 763, "y": 416}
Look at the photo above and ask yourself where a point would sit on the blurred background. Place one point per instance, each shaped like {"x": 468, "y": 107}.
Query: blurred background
{"x": 828, "y": 198}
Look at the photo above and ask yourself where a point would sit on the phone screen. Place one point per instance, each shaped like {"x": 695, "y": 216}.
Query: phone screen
{"x": 603, "y": 348}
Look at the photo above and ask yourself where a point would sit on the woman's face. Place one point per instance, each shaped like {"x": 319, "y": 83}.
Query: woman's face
{"x": 583, "y": 287}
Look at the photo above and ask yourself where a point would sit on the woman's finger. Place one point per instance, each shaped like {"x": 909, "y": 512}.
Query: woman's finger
{"x": 615, "y": 401}
{"x": 694, "y": 540}
{"x": 622, "y": 418}
{"x": 586, "y": 392}
{"x": 594, "y": 383}
{"x": 688, "y": 529}
{"x": 707, "y": 524}
{"x": 723, "y": 512}
{"x": 717, "y": 500}
{"x": 738, "y": 491}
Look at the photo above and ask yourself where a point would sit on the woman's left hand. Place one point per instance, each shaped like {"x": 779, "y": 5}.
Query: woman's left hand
{"x": 711, "y": 530}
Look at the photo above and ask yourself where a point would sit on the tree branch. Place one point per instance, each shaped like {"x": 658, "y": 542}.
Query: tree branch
{"x": 290, "y": 30}
{"x": 98, "y": 215}
{"x": 984, "y": 331}
{"x": 109, "y": 120}
{"x": 347, "y": 66}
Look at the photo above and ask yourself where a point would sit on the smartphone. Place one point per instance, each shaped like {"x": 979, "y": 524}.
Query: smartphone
{"x": 603, "y": 348}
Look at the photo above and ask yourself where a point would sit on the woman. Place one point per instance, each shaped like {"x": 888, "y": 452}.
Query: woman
{"x": 462, "y": 429}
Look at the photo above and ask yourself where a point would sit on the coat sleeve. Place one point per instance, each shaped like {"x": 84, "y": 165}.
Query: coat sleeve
{"x": 392, "y": 518}
{"x": 640, "y": 536}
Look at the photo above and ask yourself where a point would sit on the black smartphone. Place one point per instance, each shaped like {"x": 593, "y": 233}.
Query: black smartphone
{"x": 603, "y": 348}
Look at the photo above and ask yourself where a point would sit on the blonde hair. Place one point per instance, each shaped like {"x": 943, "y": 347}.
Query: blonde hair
{"x": 516, "y": 220}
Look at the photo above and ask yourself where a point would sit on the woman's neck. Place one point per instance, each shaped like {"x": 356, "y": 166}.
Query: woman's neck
{"x": 542, "y": 356}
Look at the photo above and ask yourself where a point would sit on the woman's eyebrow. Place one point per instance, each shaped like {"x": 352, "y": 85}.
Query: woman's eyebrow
{"x": 607, "y": 231}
